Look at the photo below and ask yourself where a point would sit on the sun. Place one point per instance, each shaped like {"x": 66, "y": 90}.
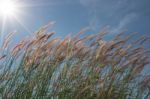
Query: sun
{"x": 8, "y": 7}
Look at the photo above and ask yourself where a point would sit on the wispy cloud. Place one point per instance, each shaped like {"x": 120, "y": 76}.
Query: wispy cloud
{"x": 117, "y": 14}
{"x": 90, "y": 5}
{"x": 94, "y": 23}
{"x": 124, "y": 22}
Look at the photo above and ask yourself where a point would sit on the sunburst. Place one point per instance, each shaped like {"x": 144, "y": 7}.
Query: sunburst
{"x": 8, "y": 7}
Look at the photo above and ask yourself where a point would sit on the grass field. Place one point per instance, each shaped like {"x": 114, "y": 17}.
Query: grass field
{"x": 43, "y": 67}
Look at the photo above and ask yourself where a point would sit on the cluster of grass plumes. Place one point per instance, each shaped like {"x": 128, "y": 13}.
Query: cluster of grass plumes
{"x": 43, "y": 67}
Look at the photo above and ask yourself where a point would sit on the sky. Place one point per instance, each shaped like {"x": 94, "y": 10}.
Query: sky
{"x": 72, "y": 15}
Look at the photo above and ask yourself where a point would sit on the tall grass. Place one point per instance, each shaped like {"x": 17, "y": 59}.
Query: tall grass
{"x": 43, "y": 67}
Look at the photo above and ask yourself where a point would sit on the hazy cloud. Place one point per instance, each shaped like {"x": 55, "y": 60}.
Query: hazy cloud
{"x": 124, "y": 22}
{"x": 115, "y": 13}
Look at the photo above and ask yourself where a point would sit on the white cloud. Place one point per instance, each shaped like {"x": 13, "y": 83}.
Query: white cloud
{"x": 105, "y": 12}
{"x": 94, "y": 23}
{"x": 124, "y": 22}
{"x": 90, "y": 5}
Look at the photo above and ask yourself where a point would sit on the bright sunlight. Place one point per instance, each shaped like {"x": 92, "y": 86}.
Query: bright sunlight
{"x": 8, "y": 7}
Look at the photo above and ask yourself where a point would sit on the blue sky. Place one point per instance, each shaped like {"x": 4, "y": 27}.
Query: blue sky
{"x": 72, "y": 15}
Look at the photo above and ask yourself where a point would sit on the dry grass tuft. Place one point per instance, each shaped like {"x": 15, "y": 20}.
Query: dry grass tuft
{"x": 80, "y": 68}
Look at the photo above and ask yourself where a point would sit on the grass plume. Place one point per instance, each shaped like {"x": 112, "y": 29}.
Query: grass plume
{"x": 43, "y": 67}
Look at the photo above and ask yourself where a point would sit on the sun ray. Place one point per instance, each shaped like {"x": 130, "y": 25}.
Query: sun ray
{"x": 13, "y": 10}
{"x": 22, "y": 24}
{"x": 2, "y": 30}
